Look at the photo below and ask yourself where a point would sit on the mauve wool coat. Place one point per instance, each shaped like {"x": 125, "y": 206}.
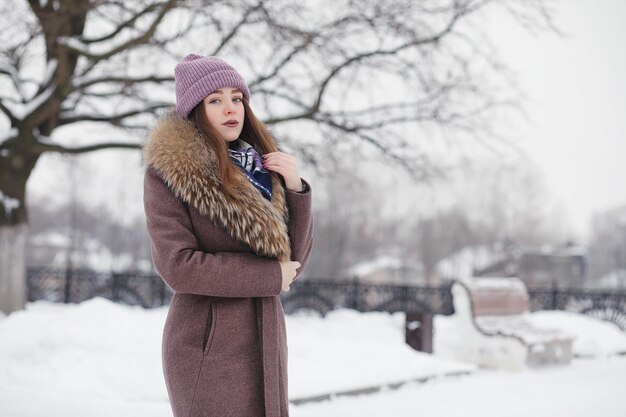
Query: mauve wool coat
{"x": 224, "y": 341}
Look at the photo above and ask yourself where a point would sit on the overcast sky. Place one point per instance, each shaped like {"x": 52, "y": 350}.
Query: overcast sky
{"x": 577, "y": 91}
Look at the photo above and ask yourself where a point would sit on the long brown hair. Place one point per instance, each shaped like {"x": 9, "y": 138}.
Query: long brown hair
{"x": 254, "y": 132}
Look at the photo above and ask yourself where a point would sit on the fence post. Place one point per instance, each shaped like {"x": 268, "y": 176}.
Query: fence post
{"x": 68, "y": 284}
{"x": 554, "y": 295}
{"x": 116, "y": 286}
{"x": 418, "y": 330}
{"x": 353, "y": 300}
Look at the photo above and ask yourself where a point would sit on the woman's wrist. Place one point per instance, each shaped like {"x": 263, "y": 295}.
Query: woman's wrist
{"x": 305, "y": 187}
{"x": 299, "y": 187}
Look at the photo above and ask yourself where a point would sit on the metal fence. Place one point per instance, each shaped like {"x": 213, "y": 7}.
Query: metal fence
{"x": 76, "y": 285}
{"x": 602, "y": 304}
{"x": 317, "y": 295}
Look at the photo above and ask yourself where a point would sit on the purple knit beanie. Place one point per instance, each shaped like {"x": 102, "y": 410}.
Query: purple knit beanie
{"x": 198, "y": 76}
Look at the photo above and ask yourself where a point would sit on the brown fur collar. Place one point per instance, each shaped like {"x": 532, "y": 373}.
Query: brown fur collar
{"x": 176, "y": 149}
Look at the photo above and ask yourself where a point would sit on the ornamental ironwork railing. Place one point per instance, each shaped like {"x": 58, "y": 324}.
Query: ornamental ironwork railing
{"x": 76, "y": 285}
{"x": 315, "y": 295}
{"x": 602, "y": 304}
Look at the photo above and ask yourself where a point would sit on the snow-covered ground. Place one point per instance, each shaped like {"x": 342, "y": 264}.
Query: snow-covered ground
{"x": 585, "y": 388}
{"x": 98, "y": 358}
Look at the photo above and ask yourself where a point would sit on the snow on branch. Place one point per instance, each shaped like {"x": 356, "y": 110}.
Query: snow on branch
{"x": 8, "y": 135}
{"x": 75, "y": 45}
{"x": 9, "y": 203}
{"x": 21, "y": 112}
{"x": 51, "y": 68}
{"x": 4, "y": 109}
{"x": 15, "y": 78}
{"x": 22, "y": 107}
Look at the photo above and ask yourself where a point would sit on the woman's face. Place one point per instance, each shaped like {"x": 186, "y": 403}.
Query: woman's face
{"x": 224, "y": 111}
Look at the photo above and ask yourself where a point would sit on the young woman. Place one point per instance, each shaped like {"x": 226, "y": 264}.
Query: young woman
{"x": 230, "y": 223}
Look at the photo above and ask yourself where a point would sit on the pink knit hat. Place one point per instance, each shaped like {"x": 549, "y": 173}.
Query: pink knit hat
{"x": 198, "y": 76}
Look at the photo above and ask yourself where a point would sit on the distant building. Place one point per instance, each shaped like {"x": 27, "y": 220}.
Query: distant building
{"x": 562, "y": 266}
{"x": 537, "y": 267}
{"x": 465, "y": 262}
{"x": 387, "y": 270}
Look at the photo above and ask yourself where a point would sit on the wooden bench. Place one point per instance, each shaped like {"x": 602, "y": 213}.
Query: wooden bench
{"x": 493, "y": 319}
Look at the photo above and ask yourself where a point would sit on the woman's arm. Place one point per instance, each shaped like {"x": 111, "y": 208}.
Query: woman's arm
{"x": 184, "y": 267}
{"x": 300, "y": 225}
{"x": 298, "y": 195}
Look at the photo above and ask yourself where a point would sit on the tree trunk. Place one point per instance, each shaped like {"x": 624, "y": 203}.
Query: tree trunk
{"x": 14, "y": 172}
{"x": 12, "y": 267}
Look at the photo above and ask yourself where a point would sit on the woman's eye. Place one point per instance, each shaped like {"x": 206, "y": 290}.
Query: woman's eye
{"x": 238, "y": 99}
{"x": 215, "y": 100}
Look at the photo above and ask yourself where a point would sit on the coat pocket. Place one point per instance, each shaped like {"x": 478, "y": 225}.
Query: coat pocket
{"x": 209, "y": 330}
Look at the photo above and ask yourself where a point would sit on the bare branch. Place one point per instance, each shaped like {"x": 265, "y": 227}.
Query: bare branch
{"x": 303, "y": 46}
{"x": 302, "y": 60}
{"x": 163, "y": 42}
{"x": 310, "y": 111}
{"x": 378, "y": 52}
{"x": 116, "y": 119}
{"x": 144, "y": 38}
{"x": 130, "y": 23}
{"x": 237, "y": 27}
{"x": 8, "y": 114}
{"x": 42, "y": 147}
{"x": 126, "y": 81}
{"x": 15, "y": 78}
{"x": 421, "y": 172}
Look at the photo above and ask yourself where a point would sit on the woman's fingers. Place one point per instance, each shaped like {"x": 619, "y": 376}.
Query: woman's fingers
{"x": 289, "y": 272}
{"x": 284, "y": 160}
{"x": 286, "y": 165}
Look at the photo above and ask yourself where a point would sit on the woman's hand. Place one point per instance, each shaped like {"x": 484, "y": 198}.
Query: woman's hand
{"x": 287, "y": 166}
{"x": 288, "y": 269}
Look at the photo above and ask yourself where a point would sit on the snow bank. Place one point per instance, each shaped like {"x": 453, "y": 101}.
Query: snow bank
{"x": 113, "y": 351}
{"x": 99, "y": 358}
{"x": 368, "y": 348}
{"x": 593, "y": 337}
{"x": 94, "y": 350}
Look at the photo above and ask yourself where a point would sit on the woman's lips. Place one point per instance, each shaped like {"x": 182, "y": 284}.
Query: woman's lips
{"x": 231, "y": 123}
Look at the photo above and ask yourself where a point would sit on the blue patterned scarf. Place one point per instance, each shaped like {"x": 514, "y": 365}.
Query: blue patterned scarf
{"x": 249, "y": 161}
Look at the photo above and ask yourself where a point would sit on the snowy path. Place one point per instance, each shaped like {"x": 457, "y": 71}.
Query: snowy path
{"x": 586, "y": 388}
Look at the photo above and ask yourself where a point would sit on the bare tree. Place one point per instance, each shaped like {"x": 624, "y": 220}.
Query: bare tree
{"x": 607, "y": 245}
{"x": 485, "y": 213}
{"x": 440, "y": 236}
{"x": 511, "y": 201}
{"x": 67, "y": 62}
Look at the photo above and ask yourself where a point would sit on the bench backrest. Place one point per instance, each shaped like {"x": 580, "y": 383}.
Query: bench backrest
{"x": 497, "y": 296}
